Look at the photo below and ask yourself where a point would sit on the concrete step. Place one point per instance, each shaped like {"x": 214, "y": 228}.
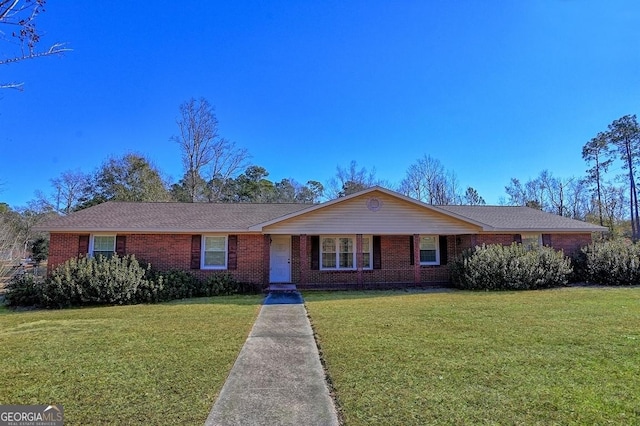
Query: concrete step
{"x": 282, "y": 287}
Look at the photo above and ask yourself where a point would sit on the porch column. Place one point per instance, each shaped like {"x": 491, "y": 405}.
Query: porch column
{"x": 266, "y": 259}
{"x": 304, "y": 259}
{"x": 359, "y": 260}
{"x": 416, "y": 259}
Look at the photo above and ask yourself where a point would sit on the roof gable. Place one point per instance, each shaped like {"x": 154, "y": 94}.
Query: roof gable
{"x": 374, "y": 211}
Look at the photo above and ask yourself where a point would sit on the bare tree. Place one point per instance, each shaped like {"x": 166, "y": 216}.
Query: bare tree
{"x": 9, "y": 243}
{"x": 8, "y": 239}
{"x": 18, "y": 28}
{"x": 422, "y": 179}
{"x": 226, "y": 163}
{"x": 198, "y": 128}
{"x": 202, "y": 146}
{"x": 561, "y": 196}
{"x": 25, "y": 221}
{"x": 613, "y": 202}
{"x": 578, "y": 203}
{"x": 531, "y": 193}
{"x": 428, "y": 181}
{"x": 351, "y": 179}
{"x": 516, "y": 193}
{"x": 451, "y": 192}
{"x": 554, "y": 195}
{"x": 17, "y": 231}
{"x": 67, "y": 192}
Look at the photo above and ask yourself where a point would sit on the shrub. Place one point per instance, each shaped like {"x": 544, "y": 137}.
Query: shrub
{"x": 580, "y": 267}
{"x": 24, "y": 290}
{"x": 249, "y": 288}
{"x": 615, "y": 262}
{"x": 220, "y": 285}
{"x": 114, "y": 281}
{"x": 514, "y": 267}
{"x": 178, "y": 284}
{"x": 91, "y": 281}
{"x": 40, "y": 249}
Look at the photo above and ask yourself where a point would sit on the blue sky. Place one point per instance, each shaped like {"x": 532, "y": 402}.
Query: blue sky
{"x": 493, "y": 90}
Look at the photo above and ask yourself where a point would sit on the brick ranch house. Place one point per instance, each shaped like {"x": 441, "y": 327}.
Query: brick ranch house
{"x": 374, "y": 238}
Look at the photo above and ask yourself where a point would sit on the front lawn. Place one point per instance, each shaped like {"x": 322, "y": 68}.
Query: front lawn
{"x": 143, "y": 364}
{"x": 566, "y": 356}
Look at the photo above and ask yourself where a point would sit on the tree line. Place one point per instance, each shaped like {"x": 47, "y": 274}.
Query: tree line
{"x": 217, "y": 170}
{"x": 606, "y": 194}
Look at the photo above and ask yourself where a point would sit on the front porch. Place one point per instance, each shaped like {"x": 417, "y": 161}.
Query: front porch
{"x": 366, "y": 261}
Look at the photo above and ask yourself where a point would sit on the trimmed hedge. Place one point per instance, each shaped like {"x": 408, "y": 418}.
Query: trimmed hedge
{"x": 514, "y": 267}
{"x": 615, "y": 262}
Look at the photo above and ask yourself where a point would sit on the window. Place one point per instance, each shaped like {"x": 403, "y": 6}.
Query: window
{"x": 531, "y": 240}
{"x": 103, "y": 245}
{"x": 214, "y": 252}
{"x": 366, "y": 252}
{"x": 347, "y": 254}
{"x": 429, "y": 251}
{"x": 340, "y": 252}
{"x": 328, "y": 253}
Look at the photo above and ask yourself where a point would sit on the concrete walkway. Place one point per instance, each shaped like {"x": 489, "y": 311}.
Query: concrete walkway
{"x": 278, "y": 378}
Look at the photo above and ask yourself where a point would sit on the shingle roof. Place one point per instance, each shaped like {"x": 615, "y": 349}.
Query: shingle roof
{"x": 515, "y": 218}
{"x": 170, "y": 217}
{"x": 210, "y": 217}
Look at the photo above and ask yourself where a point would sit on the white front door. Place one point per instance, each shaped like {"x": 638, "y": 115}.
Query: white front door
{"x": 280, "y": 259}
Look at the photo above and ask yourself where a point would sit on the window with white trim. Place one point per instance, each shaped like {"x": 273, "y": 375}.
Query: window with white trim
{"x": 102, "y": 245}
{"x": 531, "y": 240}
{"x": 429, "y": 250}
{"x": 339, "y": 252}
{"x": 214, "y": 252}
{"x": 328, "y": 253}
{"x": 346, "y": 253}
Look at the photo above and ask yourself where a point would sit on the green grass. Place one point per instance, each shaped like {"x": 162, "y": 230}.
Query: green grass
{"x": 144, "y": 364}
{"x": 567, "y": 356}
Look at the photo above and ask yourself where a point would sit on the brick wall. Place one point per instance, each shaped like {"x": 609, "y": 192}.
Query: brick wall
{"x": 570, "y": 243}
{"x": 396, "y": 267}
{"x": 295, "y": 257}
{"x": 172, "y": 251}
{"x": 61, "y": 248}
{"x": 164, "y": 252}
{"x": 504, "y": 239}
